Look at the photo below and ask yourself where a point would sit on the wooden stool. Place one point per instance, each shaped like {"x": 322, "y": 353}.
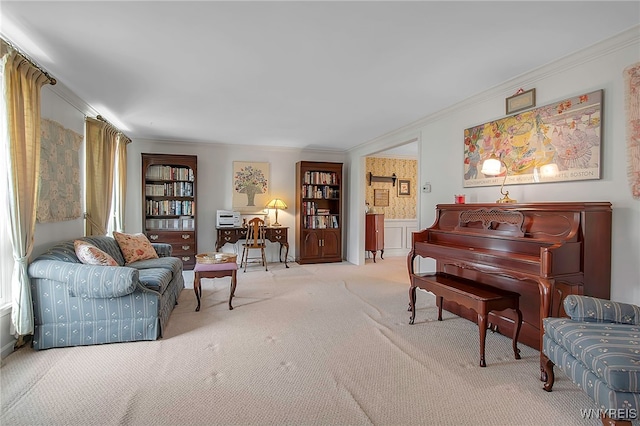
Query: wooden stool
{"x": 214, "y": 270}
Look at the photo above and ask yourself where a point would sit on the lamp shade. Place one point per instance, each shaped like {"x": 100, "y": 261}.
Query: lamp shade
{"x": 549, "y": 170}
{"x": 276, "y": 203}
{"x": 491, "y": 166}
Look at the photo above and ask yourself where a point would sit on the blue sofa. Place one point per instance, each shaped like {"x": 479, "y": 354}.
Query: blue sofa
{"x": 598, "y": 347}
{"x": 77, "y": 304}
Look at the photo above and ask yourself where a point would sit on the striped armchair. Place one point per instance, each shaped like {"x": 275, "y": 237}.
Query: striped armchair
{"x": 77, "y": 304}
{"x": 598, "y": 347}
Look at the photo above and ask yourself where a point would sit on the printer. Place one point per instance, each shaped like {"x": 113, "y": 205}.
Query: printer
{"x": 228, "y": 219}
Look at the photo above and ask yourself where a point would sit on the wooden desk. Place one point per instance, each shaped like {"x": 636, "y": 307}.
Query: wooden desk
{"x": 275, "y": 234}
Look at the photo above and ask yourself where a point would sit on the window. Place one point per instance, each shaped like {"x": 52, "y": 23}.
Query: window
{"x": 6, "y": 250}
{"x": 114, "y": 215}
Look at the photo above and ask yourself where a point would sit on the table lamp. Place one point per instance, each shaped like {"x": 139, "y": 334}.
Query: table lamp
{"x": 277, "y": 204}
{"x": 492, "y": 167}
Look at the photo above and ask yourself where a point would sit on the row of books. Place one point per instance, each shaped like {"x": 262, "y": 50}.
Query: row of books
{"x": 181, "y": 224}
{"x": 175, "y": 189}
{"x": 311, "y": 208}
{"x": 315, "y": 191}
{"x": 319, "y": 222}
{"x": 159, "y": 172}
{"x": 321, "y": 178}
{"x": 170, "y": 208}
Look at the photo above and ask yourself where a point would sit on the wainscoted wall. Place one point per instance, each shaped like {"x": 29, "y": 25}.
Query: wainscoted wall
{"x": 400, "y": 207}
{"x": 397, "y": 236}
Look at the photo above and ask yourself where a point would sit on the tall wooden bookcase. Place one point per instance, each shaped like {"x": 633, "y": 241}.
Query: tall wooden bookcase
{"x": 169, "y": 203}
{"x": 318, "y": 212}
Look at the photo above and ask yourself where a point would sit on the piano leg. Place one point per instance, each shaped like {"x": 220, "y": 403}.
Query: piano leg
{"x": 546, "y": 289}
{"x": 482, "y": 328}
{"x": 516, "y": 332}
{"x": 412, "y": 303}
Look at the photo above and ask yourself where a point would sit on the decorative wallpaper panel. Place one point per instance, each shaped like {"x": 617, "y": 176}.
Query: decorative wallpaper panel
{"x": 402, "y": 198}
{"x": 59, "y": 197}
{"x": 632, "y": 101}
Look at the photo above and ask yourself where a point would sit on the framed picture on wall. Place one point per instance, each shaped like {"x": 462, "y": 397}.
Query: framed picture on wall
{"x": 250, "y": 186}
{"x": 404, "y": 188}
{"x": 521, "y": 101}
{"x": 381, "y": 197}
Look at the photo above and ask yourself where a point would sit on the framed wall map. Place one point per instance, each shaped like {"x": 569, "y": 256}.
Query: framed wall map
{"x": 553, "y": 143}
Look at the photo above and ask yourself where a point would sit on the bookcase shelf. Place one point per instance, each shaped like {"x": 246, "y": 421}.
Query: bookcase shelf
{"x": 169, "y": 203}
{"x": 318, "y": 212}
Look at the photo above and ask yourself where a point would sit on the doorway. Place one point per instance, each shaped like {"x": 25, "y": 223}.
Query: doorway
{"x": 392, "y": 190}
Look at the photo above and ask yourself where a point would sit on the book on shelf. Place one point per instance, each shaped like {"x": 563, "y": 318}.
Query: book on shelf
{"x": 161, "y": 172}
{"x": 320, "y": 222}
{"x": 319, "y": 191}
{"x": 175, "y": 189}
{"x": 321, "y": 178}
{"x": 169, "y": 208}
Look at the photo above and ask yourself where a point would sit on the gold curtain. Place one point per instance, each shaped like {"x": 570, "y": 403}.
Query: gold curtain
{"x": 21, "y": 87}
{"x": 102, "y": 142}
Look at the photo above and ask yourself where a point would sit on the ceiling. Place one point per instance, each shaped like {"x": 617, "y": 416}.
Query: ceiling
{"x": 310, "y": 75}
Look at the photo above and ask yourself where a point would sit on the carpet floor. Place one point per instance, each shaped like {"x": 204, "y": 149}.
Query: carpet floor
{"x": 326, "y": 344}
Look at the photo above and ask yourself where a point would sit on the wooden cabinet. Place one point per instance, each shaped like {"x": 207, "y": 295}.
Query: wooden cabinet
{"x": 374, "y": 234}
{"x": 318, "y": 212}
{"x": 169, "y": 203}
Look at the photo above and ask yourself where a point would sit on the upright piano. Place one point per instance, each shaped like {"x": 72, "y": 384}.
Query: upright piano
{"x": 543, "y": 251}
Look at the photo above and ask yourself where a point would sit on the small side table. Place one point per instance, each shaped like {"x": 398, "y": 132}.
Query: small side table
{"x": 214, "y": 270}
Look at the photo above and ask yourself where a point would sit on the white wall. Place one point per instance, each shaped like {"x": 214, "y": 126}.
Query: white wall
{"x": 215, "y": 171}
{"x": 441, "y": 151}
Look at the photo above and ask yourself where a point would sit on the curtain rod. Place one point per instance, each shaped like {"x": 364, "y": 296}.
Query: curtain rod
{"x": 101, "y": 118}
{"x": 52, "y": 81}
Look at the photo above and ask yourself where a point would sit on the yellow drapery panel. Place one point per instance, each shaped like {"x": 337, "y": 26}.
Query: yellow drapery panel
{"x": 102, "y": 141}
{"x": 22, "y": 83}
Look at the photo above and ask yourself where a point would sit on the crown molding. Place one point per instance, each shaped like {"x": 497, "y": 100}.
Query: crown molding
{"x": 242, "y": 146}
{"x": 74, "y": 100}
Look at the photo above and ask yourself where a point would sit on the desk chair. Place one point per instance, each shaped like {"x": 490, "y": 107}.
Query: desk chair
{"x": 255, "y": 241}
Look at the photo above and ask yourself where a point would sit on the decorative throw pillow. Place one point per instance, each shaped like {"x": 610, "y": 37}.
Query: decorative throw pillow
{"x": 135, "y": 247}
{"x": 91, "y": 255}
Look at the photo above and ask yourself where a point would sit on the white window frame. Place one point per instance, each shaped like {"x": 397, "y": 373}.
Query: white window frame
{"x": 6, "y": 249}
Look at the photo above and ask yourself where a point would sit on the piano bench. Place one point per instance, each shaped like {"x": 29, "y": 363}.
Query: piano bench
{"x": 470, "y": 294}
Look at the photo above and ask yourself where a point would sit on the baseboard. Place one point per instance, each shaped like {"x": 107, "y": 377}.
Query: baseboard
{"x": 7, "y": 349}
{"x": 395, "y": 252}
{"x": 6, "y": 338}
